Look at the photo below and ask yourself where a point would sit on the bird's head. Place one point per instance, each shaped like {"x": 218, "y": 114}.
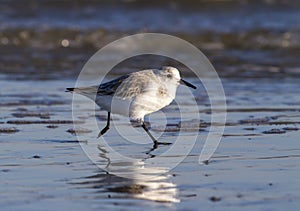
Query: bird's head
{"x": 172, "y": 75}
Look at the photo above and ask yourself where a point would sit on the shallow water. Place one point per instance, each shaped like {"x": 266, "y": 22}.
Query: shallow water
{"x": 42, "y": 161}
{"x": 244, "y": 38}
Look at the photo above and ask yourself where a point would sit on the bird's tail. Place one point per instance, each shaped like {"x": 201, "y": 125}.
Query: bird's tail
{"x": 70, "y": 89}
{"x": 89, "y": 92}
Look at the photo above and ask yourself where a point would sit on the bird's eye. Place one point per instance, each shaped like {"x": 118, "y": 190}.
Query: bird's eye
{"x": 169, "y": 76}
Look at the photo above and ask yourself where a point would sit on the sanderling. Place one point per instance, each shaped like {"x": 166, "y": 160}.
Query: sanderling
{"x": 136, "y": 94}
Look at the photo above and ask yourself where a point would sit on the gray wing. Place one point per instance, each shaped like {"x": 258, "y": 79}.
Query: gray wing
{"x": 109, "y": 88}
{"x": 125, "y": 87}
{"x": 135, "y": 84}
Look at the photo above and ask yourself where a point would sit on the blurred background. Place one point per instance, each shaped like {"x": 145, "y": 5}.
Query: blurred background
{"x": 49, "y": 39}
{"x": 253, "y": 44}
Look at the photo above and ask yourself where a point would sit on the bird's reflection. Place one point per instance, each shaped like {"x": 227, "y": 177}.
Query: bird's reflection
{"x": 125, "y": 179}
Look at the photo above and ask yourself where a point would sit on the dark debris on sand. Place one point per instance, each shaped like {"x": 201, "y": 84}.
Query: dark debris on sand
{"x": 9, "y": 130}
{"x": 274, "y": 131}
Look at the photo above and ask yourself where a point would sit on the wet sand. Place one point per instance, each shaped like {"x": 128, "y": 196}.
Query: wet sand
{"x": 254, "y": 167}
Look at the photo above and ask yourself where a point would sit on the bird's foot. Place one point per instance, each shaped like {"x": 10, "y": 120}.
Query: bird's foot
{"x": 156, "y": 143}
{"x": 102, "y": 132}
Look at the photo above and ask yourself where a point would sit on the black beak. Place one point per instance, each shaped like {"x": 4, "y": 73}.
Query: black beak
{"x": 187, "y": 84}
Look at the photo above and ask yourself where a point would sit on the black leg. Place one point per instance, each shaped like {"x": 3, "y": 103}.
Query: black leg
{"x": 155, "y": 142}
{"x": 150, "y": 135}
{"x": 104, "y": 130}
